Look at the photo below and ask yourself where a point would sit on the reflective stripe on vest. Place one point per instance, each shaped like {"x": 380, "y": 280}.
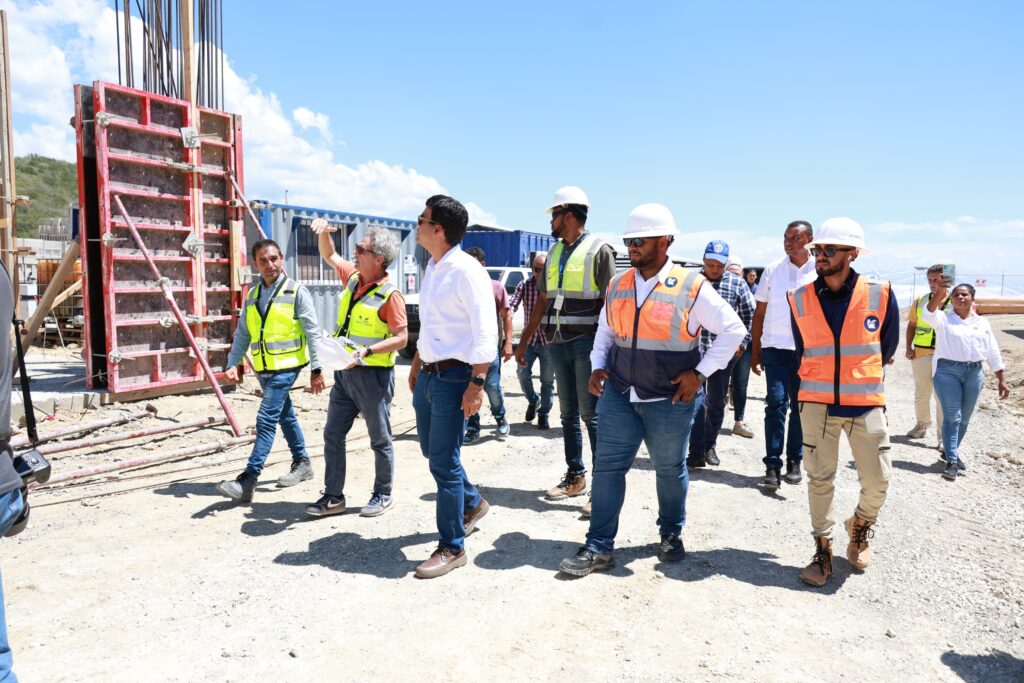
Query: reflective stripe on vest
{"x": 652, "y": 343}
{"x": 857, "y": 378}
{"x": 924, "y": 335}
{"x": 575, "y": 283}
{"x": 365, "y": 326}
{"x": 280, "y": 341}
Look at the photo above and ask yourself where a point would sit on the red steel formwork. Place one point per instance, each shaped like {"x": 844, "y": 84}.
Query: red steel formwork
{"x": 171, "y": 165}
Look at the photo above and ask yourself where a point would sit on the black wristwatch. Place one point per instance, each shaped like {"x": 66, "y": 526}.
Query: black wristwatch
{"x": 369, "y": 352}
{"x": 479, "y": 381}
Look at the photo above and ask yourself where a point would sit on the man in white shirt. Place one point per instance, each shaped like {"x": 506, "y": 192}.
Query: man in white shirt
{"x": 774, "y": 351}
{"x": 458, "y": 335}
{"x": 647, "y": 347}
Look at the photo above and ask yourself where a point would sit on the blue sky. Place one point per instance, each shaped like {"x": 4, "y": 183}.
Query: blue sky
{"x": 739, "y": 116}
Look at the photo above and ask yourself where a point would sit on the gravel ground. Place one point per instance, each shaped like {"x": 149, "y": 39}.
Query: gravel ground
{"x": 150, "y": 575}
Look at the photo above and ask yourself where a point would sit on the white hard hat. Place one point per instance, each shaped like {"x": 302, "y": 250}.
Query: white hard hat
{"x": 570, "y": 194}
{"x": 843, "y": 232}
{"x": 650, "y": 220}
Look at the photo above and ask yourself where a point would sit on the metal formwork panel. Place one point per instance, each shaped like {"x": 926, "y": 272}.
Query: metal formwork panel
{"x": 176, "y": 188}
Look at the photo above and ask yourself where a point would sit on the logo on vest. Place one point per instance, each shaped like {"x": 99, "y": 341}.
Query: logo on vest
{"x": 871, "y": 323}
{"x": 671, "y": 282}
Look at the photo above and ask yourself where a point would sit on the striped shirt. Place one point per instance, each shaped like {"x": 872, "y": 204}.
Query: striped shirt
{"x": 526, "y": 294}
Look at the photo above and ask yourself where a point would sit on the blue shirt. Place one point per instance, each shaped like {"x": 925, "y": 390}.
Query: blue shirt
{"x": 305, "y": 313}
{"x": 834, "y": 305}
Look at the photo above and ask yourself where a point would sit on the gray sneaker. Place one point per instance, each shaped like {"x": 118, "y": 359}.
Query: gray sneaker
{"x": 378, "y": 505}
{"x": 301, "y": 471}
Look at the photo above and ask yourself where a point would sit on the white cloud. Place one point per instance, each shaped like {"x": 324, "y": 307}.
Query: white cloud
{"x": 57, "y": 43}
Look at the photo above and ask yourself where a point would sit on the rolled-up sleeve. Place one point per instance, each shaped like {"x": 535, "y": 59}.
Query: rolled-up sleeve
{"x": 711, "y": 312}
{"x": 477, "y": 297}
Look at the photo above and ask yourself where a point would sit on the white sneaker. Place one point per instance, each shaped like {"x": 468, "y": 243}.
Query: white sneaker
{"x": 740, "y": 429}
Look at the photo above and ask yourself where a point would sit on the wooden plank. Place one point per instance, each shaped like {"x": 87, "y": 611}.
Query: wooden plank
{"x": 65, "y": 294}
{"x": 52, "y": 291}
{"x": 8, "y": 191}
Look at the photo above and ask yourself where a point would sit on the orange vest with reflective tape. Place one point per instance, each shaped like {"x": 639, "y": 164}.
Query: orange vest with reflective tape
{"x": 845, "y": 370}
{"x": 652, "y": 344}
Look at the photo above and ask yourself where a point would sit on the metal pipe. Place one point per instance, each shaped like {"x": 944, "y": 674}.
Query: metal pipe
{"x": 125, "y": 436}
{"x": 182, "y": 323}
{"x": 248, "y": 208}
{"x": 219, "y": 445}
{"x": 22, "y": 441}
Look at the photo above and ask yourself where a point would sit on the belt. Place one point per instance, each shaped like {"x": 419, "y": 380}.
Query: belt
{"x": 443, "y": 365}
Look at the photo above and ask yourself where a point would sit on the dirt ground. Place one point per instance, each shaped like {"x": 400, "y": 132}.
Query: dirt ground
{"x": 150, "y": 575}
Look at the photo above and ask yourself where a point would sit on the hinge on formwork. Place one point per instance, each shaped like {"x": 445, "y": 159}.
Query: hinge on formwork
{"x": 114, "y": 357}
{"x": 193, "y": 245}
{"x": 166, "y": 321}
{"x": 181, "y": 166}
{"x": 110, "y": 239}
{"x": 190, "y": 137}
{"x": 193, "y": 319}
{"x": 103, "y": 118}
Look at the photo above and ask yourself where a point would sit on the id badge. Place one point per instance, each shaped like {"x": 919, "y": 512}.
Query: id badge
{"x": 559, "y": 300}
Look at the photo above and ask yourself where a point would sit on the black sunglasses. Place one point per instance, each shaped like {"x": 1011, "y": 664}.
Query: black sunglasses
{"x": 634, "y": 241}
{"x": 828, "y": 251}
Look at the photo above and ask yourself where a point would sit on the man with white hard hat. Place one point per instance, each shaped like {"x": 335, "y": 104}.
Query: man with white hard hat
{"x": 569, "y": 297}
{"x": 648, "y": 371}
{"x": 846, "y": 330}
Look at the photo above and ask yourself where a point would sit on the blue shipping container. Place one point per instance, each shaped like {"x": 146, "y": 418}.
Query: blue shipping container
{"x": 511, "y": 248}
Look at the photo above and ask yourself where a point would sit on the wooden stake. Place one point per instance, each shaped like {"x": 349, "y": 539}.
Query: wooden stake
{"x": 8, "y": 192}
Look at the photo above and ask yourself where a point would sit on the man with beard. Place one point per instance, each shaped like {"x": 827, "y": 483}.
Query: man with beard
{"x": 648, "y": 371}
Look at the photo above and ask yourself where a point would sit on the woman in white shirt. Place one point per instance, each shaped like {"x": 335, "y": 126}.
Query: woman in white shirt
{"x": 963, "y": 339}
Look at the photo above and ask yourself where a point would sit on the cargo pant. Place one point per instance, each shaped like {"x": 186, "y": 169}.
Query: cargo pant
{"x": 923, "y": 392}
{"x": 869, "y": 440}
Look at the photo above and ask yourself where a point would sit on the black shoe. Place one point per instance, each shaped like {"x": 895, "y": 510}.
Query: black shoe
{"x": 960, "y": 464}
{"x": 327, "y": 505}
{"x": 241, "y": 488}
{"x": 471, "y": 435}
{"x": 711, "y": 457}
{"x": 503, "y": 428}
{"x": 693, "y": 463}
{"x": 772, "y": 479}
{"x": 584, "y": 562}
{"x": 531, "y": 411}
{"x": 950, "y": 472}
{"x": 542, "y": 422}
{"x": 671, "y": 548}
{"x": 793, "y": 475}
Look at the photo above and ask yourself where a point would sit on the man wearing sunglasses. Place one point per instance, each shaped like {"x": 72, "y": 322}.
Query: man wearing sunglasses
{"x": 372, "y": 320}
{"x": 569, "y": 298}
{"x": 846, "y": 329}
{"x": 648, "y": 370}
{"x": 526, "y": 295}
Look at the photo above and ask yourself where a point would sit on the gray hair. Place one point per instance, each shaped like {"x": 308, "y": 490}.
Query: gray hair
{"x": 383, "y": 242}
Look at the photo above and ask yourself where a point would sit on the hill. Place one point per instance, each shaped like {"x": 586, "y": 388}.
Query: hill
{"x": 52, "y": 185}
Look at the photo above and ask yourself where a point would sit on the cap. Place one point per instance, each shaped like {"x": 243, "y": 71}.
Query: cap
{"x": 717, "y": 250}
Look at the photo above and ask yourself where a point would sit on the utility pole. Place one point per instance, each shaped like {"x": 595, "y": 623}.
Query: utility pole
{"x": 8, "y": 219}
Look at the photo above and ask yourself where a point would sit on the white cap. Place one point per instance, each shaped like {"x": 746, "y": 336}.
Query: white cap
{"x": 570, "y": 194}
{"x": 650, "y": 220}
{"x": 843, "y": 232}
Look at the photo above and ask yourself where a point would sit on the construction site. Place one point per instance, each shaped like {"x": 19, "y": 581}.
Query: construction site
{"x": 134, "y": 568}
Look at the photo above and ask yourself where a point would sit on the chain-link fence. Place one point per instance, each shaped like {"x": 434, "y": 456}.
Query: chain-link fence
{"x": 910, "y": 284}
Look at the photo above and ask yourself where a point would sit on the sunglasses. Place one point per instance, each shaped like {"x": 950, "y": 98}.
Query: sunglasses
{"x": 360, "y": 249}
{"x": 420, "y": 220}
{"x": 829, "y": 252}
{"x": 538, "y": 270}
{"x": 634, "y": 241}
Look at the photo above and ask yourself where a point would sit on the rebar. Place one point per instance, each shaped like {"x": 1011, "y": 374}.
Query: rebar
{"x": 23, "y": 441}
{"x": 65, "y": 446}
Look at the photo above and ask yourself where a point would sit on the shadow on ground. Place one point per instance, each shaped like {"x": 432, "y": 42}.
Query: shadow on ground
{"x": 757, "y": 569}
{"x": 520, "y": 499}
{"x": 995, "y": 667}
{"x": 352, "y": 554}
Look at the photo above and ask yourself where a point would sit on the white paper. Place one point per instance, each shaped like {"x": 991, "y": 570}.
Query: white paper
{"x": 333, "y": 354}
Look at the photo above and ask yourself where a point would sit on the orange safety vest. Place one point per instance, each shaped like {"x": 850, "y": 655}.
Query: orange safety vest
{"x": 857, "y": 378}
{"x": 652, "y": 344}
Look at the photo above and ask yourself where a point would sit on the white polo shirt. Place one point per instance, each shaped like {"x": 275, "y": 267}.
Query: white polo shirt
{"x": 778, "y": 278}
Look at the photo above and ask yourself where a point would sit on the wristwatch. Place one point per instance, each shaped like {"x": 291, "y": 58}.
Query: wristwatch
{"x": 479, "y": 381}
{"x": 701, "y": 378}
{"x": 369, "y": 352}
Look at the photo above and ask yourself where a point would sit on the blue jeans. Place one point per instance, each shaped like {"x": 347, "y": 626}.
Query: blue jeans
{"x": 547, "y": 378}
{"x": 492, "y": 387}
{"x": 11, "y": 506}
{"x": 708, "y": 420}
{"x": 958, "y": 386}
{"x": 276, "y": 409}
{"x": 780, "y": 367}
{"x": 368, "y": 390}
{"x": 571, "y": 361}
{"x": 740, "y": 379}
{"x": 437, "y": 400}
{"x": 665, "y": 429}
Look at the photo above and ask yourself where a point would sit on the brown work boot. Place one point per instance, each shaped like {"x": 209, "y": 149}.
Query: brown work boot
{"x": 440, "y": 562}
{"x": 858, "y": 552}
{"x": 816, "y": 573}
{"x": 571, "y": 486}
{"x": 472, "y": 517}
{"x": 587, "y": 508}
{"x": 918, "y": 432}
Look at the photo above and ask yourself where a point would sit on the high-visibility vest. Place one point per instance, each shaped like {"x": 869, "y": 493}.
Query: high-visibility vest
{"x": 359, "y": 319}
{"x": 277, "y": 341}
{"x": 652, "y": 343}
{"x": 844, "y": 370}
{"x": 924, "y": 335}
{"x": 581, "y": 297}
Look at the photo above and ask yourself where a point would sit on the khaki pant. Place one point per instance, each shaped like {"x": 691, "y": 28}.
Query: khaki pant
{"x": 869, "y": 440}
{"x": 922, "y": 365}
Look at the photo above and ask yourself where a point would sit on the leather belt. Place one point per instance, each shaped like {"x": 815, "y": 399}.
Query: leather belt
{"x": 443, "y": 365}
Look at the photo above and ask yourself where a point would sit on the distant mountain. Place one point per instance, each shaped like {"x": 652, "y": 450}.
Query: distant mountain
{"x": 51, "y": 184}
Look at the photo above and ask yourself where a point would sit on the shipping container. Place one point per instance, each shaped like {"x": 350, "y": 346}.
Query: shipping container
{"x": 508, "y": 248}
{"x": 288, "y": 225}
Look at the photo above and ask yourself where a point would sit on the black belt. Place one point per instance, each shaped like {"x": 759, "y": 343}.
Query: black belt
{"x": 443, "y": 365}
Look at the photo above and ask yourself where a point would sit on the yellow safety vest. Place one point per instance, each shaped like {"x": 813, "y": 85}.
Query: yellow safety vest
{"x": 277, "y": 341}
{"x": 924, "y": 335}
{"x": 581, "y": 298}
{"x": 359, "y": 319}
